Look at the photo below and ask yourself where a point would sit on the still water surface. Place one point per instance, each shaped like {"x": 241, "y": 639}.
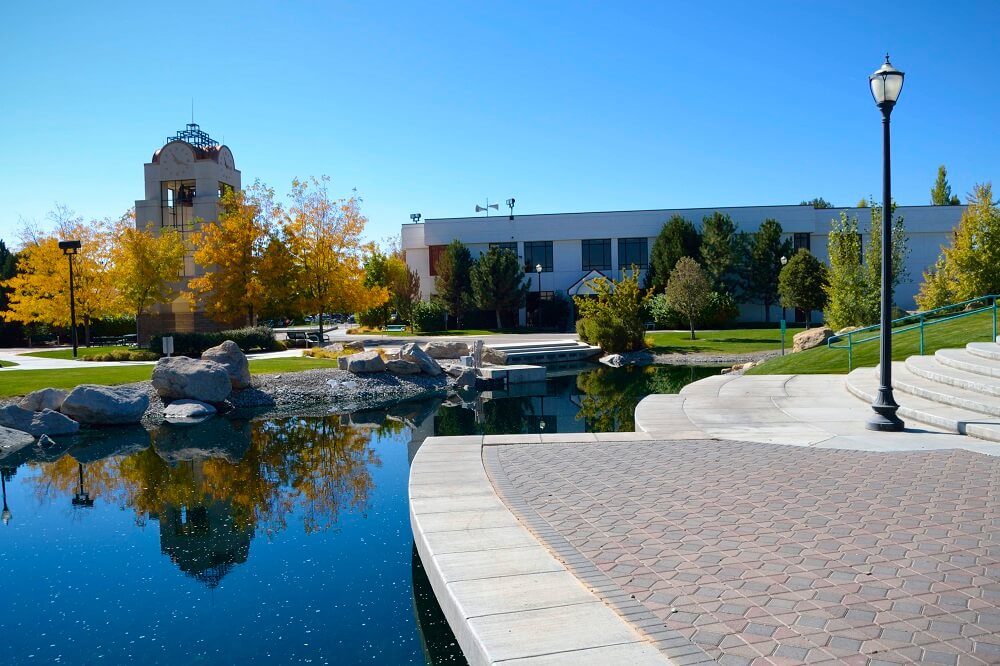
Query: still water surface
{"x": 254, "y": 538}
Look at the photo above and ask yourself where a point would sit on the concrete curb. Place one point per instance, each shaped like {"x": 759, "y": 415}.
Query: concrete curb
{"x": 508, "y": 600}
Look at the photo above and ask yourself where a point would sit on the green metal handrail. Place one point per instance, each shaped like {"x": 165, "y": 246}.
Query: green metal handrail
{"x": 922, "y": 320}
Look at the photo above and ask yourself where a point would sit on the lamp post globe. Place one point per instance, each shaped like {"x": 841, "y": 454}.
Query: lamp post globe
{"x": 886, "y": 83}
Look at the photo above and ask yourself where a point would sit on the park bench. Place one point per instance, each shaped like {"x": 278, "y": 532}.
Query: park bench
{"x": 395, "y": 328}
{"x": 297, "y": 338}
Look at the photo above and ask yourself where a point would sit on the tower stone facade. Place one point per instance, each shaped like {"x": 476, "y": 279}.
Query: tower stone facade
{"x": 184, "y": 181}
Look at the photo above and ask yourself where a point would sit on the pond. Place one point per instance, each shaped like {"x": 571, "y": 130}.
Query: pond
{"x": 256, "y": 538}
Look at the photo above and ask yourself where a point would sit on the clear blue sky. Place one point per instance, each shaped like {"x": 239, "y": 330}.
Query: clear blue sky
{"x": 432, "y": 107}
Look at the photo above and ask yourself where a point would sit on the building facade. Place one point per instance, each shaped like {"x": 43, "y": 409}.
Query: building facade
{"x": 184, "y": 181}
{"x": 572, "y": 246}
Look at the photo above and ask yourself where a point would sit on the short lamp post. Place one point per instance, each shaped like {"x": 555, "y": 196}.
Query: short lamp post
{"x": 538, "y": 308}
{"x": 69, "y": 248}
{"x": 886, "y": 84}
{"x": 6, "y": 515}
{"x": 784, "y": 262}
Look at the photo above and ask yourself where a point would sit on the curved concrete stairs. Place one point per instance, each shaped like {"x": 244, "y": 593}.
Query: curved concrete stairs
{"x": 957, "y": 390}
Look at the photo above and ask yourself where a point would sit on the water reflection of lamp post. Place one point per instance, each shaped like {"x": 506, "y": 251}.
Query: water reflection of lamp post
{"x": 538, "y": 308}
{"x": 82, "y": 497}
{"x": 784, "y": 262}
{"x": 69, "y": 248}
{"x": 541, "y": 415}
{"x": 6, "y": 515}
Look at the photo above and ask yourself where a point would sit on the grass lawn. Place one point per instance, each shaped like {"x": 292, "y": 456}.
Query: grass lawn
{"x": 7, "y": 364}
{"x": 20, "y": 382}
{"x": 822, "y": 360}
{"x": 67, "y": 354}
{"x": 733, "y": 341}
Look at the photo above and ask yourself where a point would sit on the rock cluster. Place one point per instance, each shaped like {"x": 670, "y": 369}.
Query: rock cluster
{"x": 410, "y": 359}
{"x": 54, "y": 412}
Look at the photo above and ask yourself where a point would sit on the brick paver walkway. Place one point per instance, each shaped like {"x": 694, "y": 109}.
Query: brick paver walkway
{"x": 771, "y": 554}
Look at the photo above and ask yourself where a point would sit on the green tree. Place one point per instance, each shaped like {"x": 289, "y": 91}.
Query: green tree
{"x": 872, "y": 268}
{"x": 404, "y": 288}
{"x": 938, "y": 288}
{"x": 376, "y": 275}
{"x": 818, "y": 202}
{"x": 863, "y": 203}
{"x": 803, "y": 283}
{"x": 678, "y": 238}
{"x": 720, "y": 251}
{"x": 453, "y": 284}
{"x": 845, "y": 290}
{"x": 613, "y": 319}
{"x": 498, "y": 282}
{"x": 974, "y": 256}
{"x": 941, "y": 192}
{"x": 688, "y": 290}
{"x": 767, "y": 247}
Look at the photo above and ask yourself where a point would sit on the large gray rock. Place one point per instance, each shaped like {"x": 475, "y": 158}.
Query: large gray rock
{"x": 412, "y": 352}
{"x": 467, "y": 379}
{"x": 182, "y": 377}
{"x": 13, "y": 440}
{"x": 105, "y": 405}
{"x": 368, "y": 361}
{"x": 187, "y": 410}
{"x": 401, "y": 367}
{"x": 809, "y": 338}
{"x": 36, "y": 424}
{"x": 47, "y": 398}
{"x": 231, "y": 357}
{"x": 445, "y": 349}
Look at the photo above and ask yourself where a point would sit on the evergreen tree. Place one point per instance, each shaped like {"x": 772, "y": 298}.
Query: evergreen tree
{"x": 818, "y": 202}
{"x": 803, "y": 283}
{"x": 10, "y": 332}
{"x": 973, "y": 259}
{"x": 719, "y": 251}
{"x": 845, "y": 288}
{"x": 765, "y": 252}
{"x": 863, "y": 203}
{"x": 941, "y": 192}
{"x": 498, "y": 282}
{"x": 873, "y": 263}
{"x": 453, "y": 284}
{"x": 678, "y": 238}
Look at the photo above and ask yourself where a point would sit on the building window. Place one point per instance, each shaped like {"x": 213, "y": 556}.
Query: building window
{"x": 505, "y": 246}
{"x": 597, "y": 254}
{"x": 177, "y": 213}
{"x": 435, "y": 252}
{"x": 538, "y": 252}
{"x": 633, "y": 251}
{"x": 800, "y": 241}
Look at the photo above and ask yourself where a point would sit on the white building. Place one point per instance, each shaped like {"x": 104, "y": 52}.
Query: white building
{"x": 569, "y": 246}
{"x": 184, "y": 181}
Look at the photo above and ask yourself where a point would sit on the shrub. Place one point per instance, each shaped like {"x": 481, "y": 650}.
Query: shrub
{"x": 615, "y": 315}
{"x": 319, "y": 352}
{"x": 193, "y": 344}
{"x": 124, "y": 356}
{"x": 663, "y": 315}
{"x": 428, "y": 316}
{"x": 720, "y": 310}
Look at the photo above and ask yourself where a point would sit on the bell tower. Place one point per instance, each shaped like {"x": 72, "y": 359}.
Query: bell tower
{"x": 184, "y": 181}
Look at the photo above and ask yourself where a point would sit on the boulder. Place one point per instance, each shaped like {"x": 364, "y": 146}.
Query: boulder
{"x": 47, "y": 398}
{"x": 809, "y": 338}
{"x": 187, "y": 410}
{"x": 412, "y": 352}
{"x": 353, "y": 345}
{"x": 12, "y": 441}
{"x": 36, "y": 424}
{"x": 494, "y": 356}
{"x": 368, "y": 361}
{"x": 614, "y": 360}
{"x": 401, "y": 367}
{"x": 181, "y": 377}
{"x": 467, "y": 379}
{"x": 445, "y": 349}
{"x": 105, "y": 405}
{"x": 231, "y": 357}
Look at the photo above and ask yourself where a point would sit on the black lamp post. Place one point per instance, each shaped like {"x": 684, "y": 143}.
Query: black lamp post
{"x": 886, "y": 84}
{"x": 82, "y": 498}
{"x": 784, "y": 262}
{"x": 538, "y": 308}
{"x": 69, "y": 248}
{"x": 6, "y": 514}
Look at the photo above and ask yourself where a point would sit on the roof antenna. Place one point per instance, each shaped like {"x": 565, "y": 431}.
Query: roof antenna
{"x": 192, "y": 110}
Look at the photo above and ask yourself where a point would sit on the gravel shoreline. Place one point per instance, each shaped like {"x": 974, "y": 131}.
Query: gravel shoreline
{"x": 713, "y": 359}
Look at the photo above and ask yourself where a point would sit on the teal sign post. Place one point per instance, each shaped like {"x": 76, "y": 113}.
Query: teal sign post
{"x": 783, "y": 337}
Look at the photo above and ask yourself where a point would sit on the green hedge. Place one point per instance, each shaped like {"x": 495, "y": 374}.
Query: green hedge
{"x": 428, "y": 316}
{"x": 193, "y": 344}
{"x": 124, "y": 356}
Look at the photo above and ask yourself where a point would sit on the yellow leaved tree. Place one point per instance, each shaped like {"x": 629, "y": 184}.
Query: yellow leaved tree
{"x": 239, "y": 273}
{"x": 40, "y": 288}
{"x": 324, "y": 238}
{"x": 145, "y": 264}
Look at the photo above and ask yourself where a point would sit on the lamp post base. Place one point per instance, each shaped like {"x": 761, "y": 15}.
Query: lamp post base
{"x": 884, "y": 419}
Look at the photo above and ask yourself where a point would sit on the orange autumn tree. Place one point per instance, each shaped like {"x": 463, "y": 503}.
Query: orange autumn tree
{"x": 40, "y": 288}
{"x": 235, "y": 252}
{"x": 324, "y": 237}
{"x": 145, "y": 264}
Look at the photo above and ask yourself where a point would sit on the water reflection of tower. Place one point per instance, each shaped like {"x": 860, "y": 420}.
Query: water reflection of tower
{"x": 203, "y": 538}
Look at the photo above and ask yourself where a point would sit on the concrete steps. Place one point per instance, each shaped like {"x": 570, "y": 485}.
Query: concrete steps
{"x": 541, "y": 353}
{"x": 957, "y": 390}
